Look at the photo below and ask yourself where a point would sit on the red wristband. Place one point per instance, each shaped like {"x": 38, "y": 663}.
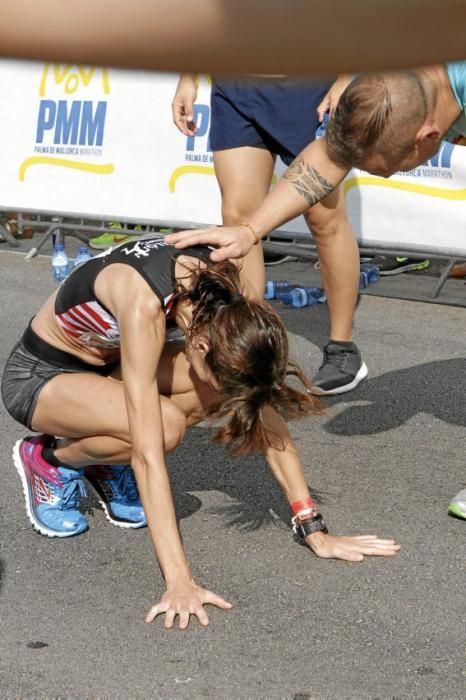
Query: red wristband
{"x": 309, "y": 502}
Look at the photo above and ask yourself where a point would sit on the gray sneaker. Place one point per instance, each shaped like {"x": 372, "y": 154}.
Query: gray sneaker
{"x": 341, "y": 370}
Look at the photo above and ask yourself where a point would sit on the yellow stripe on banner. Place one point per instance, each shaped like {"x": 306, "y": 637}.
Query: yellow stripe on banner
{"x": 106, "y": 169}
{"x": 195, "y": 170}
{"x": 188, "y": 170}
{"x": 441, "y": 192}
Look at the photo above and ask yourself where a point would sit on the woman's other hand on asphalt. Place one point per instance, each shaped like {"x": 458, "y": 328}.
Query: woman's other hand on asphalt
{"x": 184, "y": 600}
{"x": 350, "y": 548}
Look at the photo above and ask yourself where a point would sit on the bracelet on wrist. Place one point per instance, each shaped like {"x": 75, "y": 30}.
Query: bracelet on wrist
{"x": 308, "y": 502}
{"x": 255, "y": 234}
{"x": 303, "y": 515}
{"x": 308, "y": 526}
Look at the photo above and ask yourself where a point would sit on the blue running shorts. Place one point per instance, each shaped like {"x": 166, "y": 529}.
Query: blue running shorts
{"x": 278, "y": 114}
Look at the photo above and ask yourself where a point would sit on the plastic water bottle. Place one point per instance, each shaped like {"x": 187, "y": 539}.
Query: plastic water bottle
{"x": 60, "y": 263}
{"x": 363, "y": 279}
{"x": 372, "y": 271}
{"x": 274, "y": 289}
{"x": 322, "y": 128}
{"x": 83, "y": 256}
{"x": 304, "y": 296}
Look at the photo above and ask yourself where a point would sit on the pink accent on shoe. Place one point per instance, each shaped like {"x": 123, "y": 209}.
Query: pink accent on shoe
{"x": 31, "y": 455}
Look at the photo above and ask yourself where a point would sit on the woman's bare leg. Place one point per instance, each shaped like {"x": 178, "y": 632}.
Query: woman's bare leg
{"x": 89, "y": 412}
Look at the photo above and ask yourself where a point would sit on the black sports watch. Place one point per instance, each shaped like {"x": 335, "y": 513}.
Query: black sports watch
{"x": 307, "y": 527}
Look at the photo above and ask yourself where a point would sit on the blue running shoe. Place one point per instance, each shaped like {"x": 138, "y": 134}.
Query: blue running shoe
{"x": 119, "y": 495}
{"x": 51, "y": 493}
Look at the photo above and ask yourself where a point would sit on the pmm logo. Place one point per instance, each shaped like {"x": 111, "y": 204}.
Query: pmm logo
{"x": 72, "y": 122}
{"x": 71, "y": 127}
{"x": 79, "y": 122}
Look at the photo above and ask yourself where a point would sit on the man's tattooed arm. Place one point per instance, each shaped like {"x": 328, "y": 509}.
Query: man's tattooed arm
{"x": 308, "y": 182}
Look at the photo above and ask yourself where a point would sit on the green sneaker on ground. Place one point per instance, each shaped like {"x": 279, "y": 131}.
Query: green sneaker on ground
{"x": 457, "y": 506}
{"x": 396, "y": 265}
{"x": 107, "y": 240}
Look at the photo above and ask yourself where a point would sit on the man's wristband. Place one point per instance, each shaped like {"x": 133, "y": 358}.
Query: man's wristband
{"x": 256, "y": 235}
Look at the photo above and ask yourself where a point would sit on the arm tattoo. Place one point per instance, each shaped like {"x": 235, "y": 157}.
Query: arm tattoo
{"x": 308, "y": 182}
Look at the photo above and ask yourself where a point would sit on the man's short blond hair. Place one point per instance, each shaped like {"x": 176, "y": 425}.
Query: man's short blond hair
{"x": 378, "y": 113}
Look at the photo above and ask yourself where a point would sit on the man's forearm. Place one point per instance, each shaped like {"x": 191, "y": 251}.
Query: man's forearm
{"x": 223, "y": 36}
{"x": 309, "y": 179}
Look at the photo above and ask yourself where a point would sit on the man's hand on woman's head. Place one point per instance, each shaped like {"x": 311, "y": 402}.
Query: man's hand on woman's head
{"x": 231, "y": 241}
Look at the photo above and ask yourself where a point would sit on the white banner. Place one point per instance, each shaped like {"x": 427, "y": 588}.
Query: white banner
{"x": 100, "y": 143}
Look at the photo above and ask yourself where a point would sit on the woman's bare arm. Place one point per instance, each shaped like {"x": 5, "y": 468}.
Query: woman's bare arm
{"x": 142, "y": 329}
{"x": 321, "y": 38}
{"x": 288, "y": 470}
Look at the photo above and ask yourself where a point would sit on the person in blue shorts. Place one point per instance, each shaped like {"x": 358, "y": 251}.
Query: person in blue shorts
{"x": 254, "y": 119}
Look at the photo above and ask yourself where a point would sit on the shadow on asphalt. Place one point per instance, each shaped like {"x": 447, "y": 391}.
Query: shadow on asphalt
{"x": 393, "y": 398}
{"x": 434, "y": 388}
{"x": 203, "y": 466}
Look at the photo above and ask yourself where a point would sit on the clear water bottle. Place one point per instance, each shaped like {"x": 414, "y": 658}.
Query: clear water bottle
{"x": 60, "y": 263}
{"x": 83, "y": 256}
{"x": 322, "y": 128}
{"x": 363, "y": 279}
{"x": 274, "y": 289}
{"x": 372, "y": 271}
{"x": 304, "y": 296}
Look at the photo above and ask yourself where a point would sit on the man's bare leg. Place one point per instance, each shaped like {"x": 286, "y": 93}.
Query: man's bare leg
{"x": 244, "y": 175}
{"x": 343, "y": 367}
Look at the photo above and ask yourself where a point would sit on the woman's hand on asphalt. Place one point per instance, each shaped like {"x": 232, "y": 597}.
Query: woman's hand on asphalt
{"x": 185, "y": 600}
{"x": 231, "y": 241}
{"x": 350, "y": 548}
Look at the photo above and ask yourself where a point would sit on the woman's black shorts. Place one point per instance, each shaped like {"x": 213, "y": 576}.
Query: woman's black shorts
{"x": 32, "y": 363}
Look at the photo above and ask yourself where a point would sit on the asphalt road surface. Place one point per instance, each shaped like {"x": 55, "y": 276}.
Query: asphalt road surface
{"x": 385, "y": 459}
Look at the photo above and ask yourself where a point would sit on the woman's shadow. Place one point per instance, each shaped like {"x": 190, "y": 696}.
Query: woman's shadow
{"x": 200, "y": 465}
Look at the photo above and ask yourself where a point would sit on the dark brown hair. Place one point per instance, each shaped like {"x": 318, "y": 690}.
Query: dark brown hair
{"x": 248, "y": 355}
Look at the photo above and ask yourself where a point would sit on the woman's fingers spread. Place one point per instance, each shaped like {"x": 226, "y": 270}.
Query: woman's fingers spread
{"x": 202, "y": 616}
{"x": 214, "y": 599}
{"x": 184, "y": 619}
{"x": 154, "y": 611}
{"x": 169, "y": 618}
